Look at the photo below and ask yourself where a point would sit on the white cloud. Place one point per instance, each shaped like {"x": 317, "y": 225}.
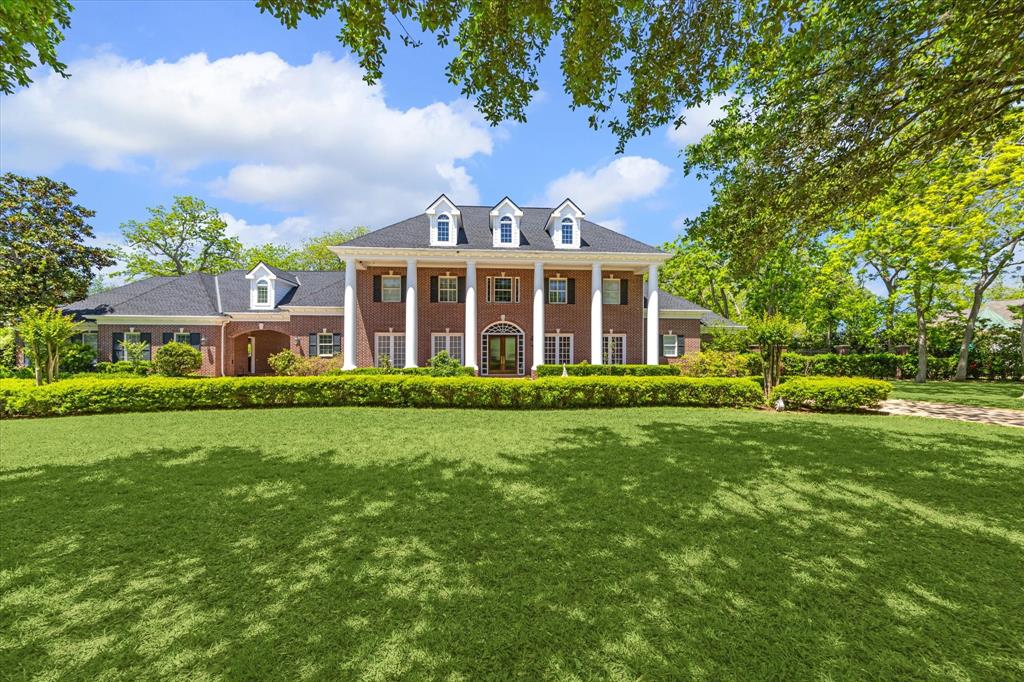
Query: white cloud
{"x": 617, "y": 224}
{"x": 288, "y": 230}
{"x": 603, "y": 189}
{"x": 697, "y": 122}
{"x": 312, "y": 139}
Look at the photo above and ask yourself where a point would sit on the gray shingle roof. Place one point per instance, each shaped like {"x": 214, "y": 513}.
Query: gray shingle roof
{"x": 475, "y": 233}
{"x": 671, "y": 302}
{"x": 196, "y": 294}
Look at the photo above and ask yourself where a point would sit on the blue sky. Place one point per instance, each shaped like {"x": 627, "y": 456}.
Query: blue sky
{"x": 276, "y": 129}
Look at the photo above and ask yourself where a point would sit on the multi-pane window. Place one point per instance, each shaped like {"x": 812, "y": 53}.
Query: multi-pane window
{"x": 557, "y": 349}
{"x": 448, "y": 289}
{"x": 614, "y": 349}
{"x": 391, "y": 288}
{"x": 558, "y": 290}
{"x": 325, "y": 345}
{"x": 670, "y": 345}
{"x": 443, "y": 226}
{"x": 611, "y": 291}
{"x": 505, "y": 230}
{"x": 503, "y": 289}
{"x": 451, "y": 343}
{"x": 262, "y": 292}
{"x": 90, "y": 339}
{"x": 132, "y": 337}
{"x": 566, "y": 230}
{"x": 182, "y": 337}
{"x": 392, "y": 346}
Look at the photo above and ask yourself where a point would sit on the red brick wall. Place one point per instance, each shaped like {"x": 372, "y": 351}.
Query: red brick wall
{"x": 519, "y": 314}
{"x": 571, "y": 318}
{"x": 436, "y": 318}
{"x": 689, "y": 333}
{"x": 626, "y": 319}
{"x": 208, "y": 346}
{"x": 374, "y": 317}
{"x": 298, "y": 330}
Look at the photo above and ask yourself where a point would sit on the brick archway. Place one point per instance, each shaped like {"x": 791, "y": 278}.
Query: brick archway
{"x": 251, "y": 349}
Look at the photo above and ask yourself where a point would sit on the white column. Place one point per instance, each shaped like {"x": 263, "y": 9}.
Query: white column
{"x": 469, "y": 340}
{"x": 653, "y": 316}
{"x": 410, "y": 313}
{"x": 349, "y": 334}
{"x": 596, "y": 315}
{"x": 538, "y": 315}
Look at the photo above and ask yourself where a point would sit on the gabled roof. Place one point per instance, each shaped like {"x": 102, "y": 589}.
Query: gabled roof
{"x": 282, "y": 275}
{"x": 475, "y": 233}
{"x": 197, "y": 294}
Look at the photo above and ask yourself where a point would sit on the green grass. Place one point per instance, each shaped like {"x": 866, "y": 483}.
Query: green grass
{"x": 976, "y": 393}
{"x": 379, "y": 544}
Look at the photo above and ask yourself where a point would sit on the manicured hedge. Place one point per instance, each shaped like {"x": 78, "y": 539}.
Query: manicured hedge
{"x": 874, "y": 365}
{"x": 608, "y": 370}
{"x": 90, "y": 396}
{"x": 831, "y": 394}
{"x": 407, "y": 371}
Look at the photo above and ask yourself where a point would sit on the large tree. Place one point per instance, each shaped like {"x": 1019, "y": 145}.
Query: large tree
{"x": 313, "y": 254}
{"x": 30, "y": 31}
{"x": 188, "y": 237}
{"x": 829, "y": 97}
{"x": 44, "y": 258}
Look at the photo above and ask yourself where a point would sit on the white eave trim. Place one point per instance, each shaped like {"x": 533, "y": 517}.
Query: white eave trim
{"x": 314, "y": 310}
{"x": 679, "y": 314}
{"x": 157, "y": 319}
{"x": 505, "y": 254}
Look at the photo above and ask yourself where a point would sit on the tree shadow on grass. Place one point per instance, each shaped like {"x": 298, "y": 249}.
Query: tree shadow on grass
{"x": 736, "y": 550}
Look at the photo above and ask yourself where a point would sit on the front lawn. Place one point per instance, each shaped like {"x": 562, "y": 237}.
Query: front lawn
{"x": 653, "y": 543}
{"x": 977, "y": 393}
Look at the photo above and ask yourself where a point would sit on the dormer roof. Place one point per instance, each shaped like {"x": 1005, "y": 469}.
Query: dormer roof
{"x": 506, "y": 204}
{"x": 269, "y": 271}
{"x": 560, "y": 210}
{"x": 442, "y": 204}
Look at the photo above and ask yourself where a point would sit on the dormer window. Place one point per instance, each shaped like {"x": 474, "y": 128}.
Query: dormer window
{"x": 443, "y": 228}
{"x": 506, "y": 230}
{"x": 262, "y": 292}
{"x": 567, "y": 231}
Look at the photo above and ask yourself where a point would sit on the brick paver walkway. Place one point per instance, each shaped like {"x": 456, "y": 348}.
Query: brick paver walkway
{"x": 966, "y": 413}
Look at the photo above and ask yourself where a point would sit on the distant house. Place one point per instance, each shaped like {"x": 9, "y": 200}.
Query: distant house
{"x": 501, "y": 288}
{"x": 1005, "y": 313}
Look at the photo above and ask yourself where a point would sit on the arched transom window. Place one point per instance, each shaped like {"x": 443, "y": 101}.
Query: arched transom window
{"x": 567, "y": 230}
{"x": 443, "y": 228}
{"x": 505, "y": 230}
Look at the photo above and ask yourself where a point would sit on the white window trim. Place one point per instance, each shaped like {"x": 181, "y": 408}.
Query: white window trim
{"x": 455, "y": 289}
{"x": 572, "y": 347}
{"x": 511, "y": 224}
{"x": 132, "y": 340}
{"x": 565, "y": 291}
{"x": 604, "y": 293}
{"x": 383, "y": 289}
{"x": 675, "y": 346}
{"x": 607, "y": 360}
{"x": 512, "y": 289}
{"x": 391, "y": 348}
{"x": 448, "y": 336}
{"x": 187, "y": 335}
{"x": 330, "y": 344}
{"x": 571, "y": 224}
{"x": 436, "y": 231}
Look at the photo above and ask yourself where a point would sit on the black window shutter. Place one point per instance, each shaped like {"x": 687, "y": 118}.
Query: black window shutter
{"x": 118, "y": 350}
{"x": 147, "y": 339}
{"x": 624, "y": 292}
{"x": 167, "y": 337}
{"x": 462, "y": 289}
{"x": 195, "y": 339}
{"x": 403, "y": 288}
{"x": 313, "y": 350}
{"x": 570, "y": 296}
{"x": 433, "y": 288}
{"x": 336, "y": 348}
{"x": 547, "y": 289}
{"x": 376, "y": 288}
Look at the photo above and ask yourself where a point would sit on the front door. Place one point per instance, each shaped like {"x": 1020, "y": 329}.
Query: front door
{"x": 502, "y": 353}
{"x": 250, "y": 350}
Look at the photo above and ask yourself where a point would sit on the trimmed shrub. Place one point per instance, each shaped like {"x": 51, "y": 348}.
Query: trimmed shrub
{"x": 284, "y": 363}
{"x": 288, "y": 363}
{"x": 141, "y": 368}
{"x": 175, "y": 359}
{"x": 588, "y": 370}
{"x": 873, "y": 365}
{"x": 444, "y": 365}
{"x": 91, "y": 396}
{"x": 831, "y": 394}
{"x": 713, "y": 363}
{"x": 405, "y": 371}
{"x": 77, "y": 357}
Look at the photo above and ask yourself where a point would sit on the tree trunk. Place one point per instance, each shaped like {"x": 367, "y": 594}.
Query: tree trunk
{"x": 965, "y": 344}
{"x": 922, "y": 339}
